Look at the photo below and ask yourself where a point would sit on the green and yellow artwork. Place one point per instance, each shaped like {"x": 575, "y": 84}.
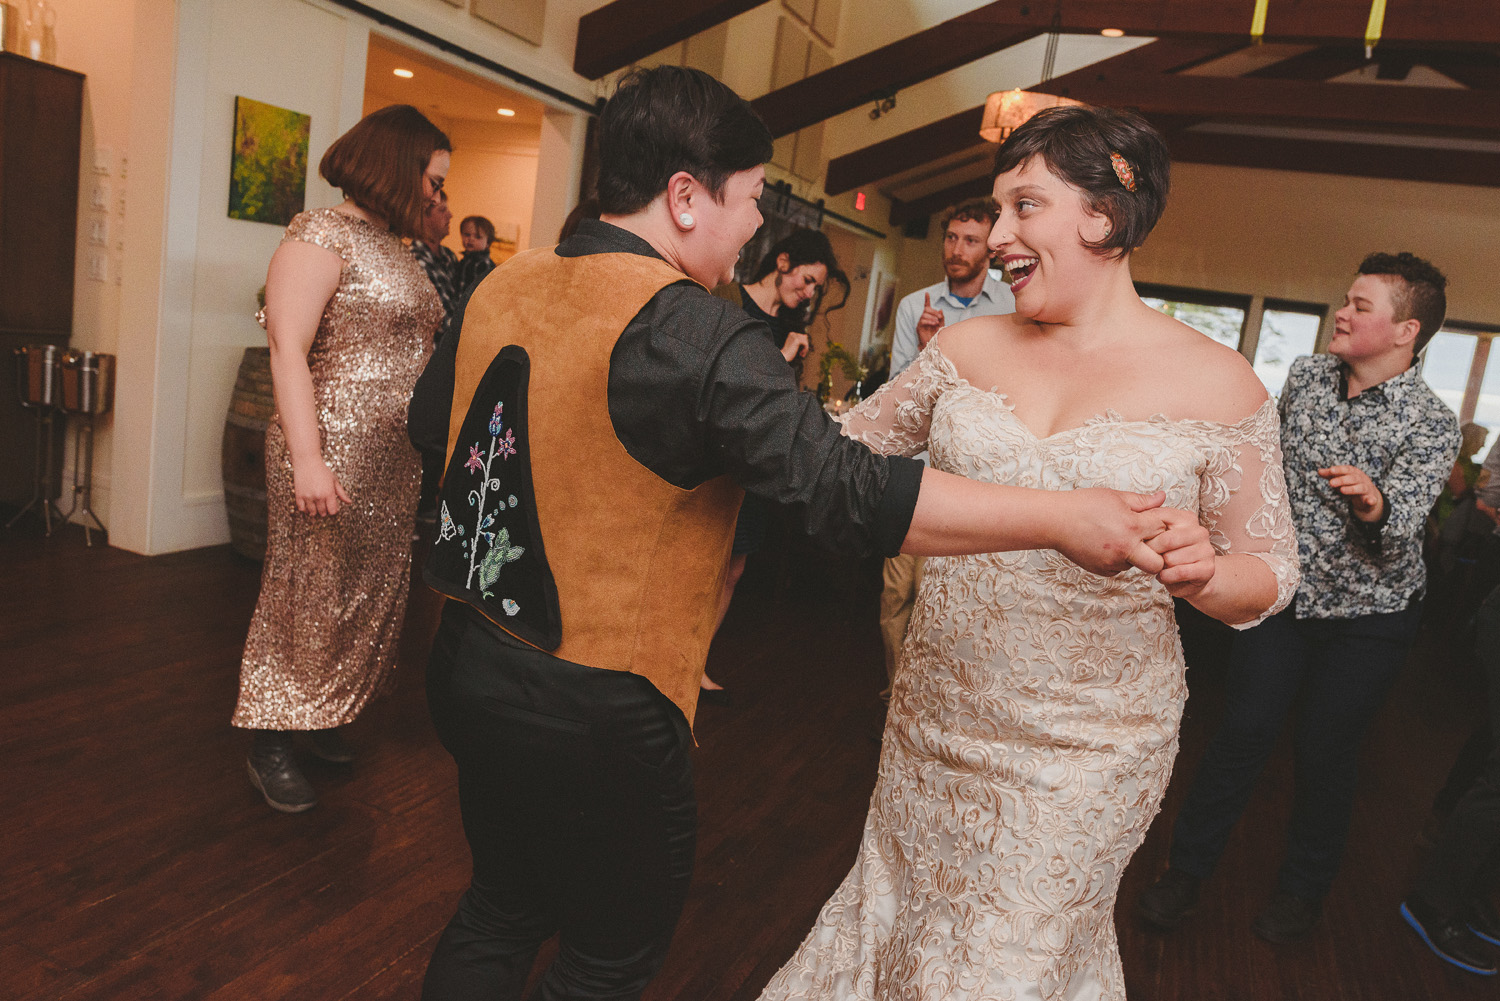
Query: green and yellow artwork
{"x": 268, "y": 172}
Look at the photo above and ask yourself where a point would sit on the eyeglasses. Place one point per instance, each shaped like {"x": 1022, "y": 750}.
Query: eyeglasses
{"x": 437, "y": 184}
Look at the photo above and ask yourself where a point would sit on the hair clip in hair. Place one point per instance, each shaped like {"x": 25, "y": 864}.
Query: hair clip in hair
{"x": 1123, "y": 171}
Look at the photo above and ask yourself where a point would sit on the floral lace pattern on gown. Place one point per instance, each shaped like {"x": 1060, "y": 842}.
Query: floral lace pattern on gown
{"x": 1033, "y": 722}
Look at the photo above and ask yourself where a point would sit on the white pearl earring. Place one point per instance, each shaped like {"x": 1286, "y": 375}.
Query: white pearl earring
{"x": 686, "y": 219}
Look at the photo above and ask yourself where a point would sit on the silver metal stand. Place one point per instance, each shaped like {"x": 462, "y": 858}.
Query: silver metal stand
{"x": 83, "y": 477}
{"x": 42, "y": 471}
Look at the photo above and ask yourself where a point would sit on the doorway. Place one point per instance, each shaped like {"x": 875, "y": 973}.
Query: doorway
{"x": 496, "y": 134}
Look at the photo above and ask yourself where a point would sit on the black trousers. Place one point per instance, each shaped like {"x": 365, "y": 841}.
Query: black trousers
{"x": 1465, "y": 859}
{"x": 1340, "y": 671}
{"x": 576, "y": 787}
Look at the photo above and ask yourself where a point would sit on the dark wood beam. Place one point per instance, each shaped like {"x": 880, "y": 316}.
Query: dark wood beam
{"x": 904, "y": 212}
{"x": 890, "y": 68}
{"x": 958, "y": 131}
{"x": 1407, "y": 163}
{"x": 904, "y": 152}
{"x": 619, "y": 33}
{"x": 1292, "y": 101}
{"x": 987, "y": 29}
{"x": 1322, "y": 63}
{"x": 1479, "y": 70}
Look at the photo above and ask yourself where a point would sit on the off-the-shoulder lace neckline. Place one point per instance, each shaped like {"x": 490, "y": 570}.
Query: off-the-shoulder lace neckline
{"x": 1108, "y": 416}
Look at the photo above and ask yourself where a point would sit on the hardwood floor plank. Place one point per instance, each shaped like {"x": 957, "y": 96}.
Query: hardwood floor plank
{"x": 137, "y": 862}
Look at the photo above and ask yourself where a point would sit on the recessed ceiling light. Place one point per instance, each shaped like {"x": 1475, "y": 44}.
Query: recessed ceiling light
{"x": 1113, "y": 32}
{"x": 404, "y": 74}
{"x": 507, "y": 112}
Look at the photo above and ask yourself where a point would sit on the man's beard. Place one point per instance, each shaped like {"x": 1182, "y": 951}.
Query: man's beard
{"x": 970, "y": 271}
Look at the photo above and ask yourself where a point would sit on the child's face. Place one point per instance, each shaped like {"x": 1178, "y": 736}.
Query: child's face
{"x": 473, "y": 237}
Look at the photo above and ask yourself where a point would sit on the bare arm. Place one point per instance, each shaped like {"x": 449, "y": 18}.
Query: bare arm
{"x": 1103, "y": 531}
{"x": 1100, "y": 530}
{"x": 301, "y": 280}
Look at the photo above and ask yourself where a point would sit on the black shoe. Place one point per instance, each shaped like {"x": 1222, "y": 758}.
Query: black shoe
{"x": 1449, "y": 940}
{"x": 330, "y": 745}
{"x": 1483, "y": 921}
{"x": 714, "y": 696}
{"x": 1287, "y": 918}
{"x": 1169, "y": 900}
{"x": 274, "y": 771}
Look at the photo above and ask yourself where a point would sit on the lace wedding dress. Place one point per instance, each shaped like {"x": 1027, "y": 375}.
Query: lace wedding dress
{"x": 1033, "y": 722}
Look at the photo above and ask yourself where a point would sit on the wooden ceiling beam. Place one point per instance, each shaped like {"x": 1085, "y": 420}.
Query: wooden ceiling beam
{"x": 1407, "y": 163}
{"x": 1322, "y": 63}
{"x": 958, "y": 131}
{"x": 904, "y": 212}
{"x": 624, "y": 31}
{"x": 994, "y": 26}
{"x": 1479, "y": 70}
{"x": 893, "y": 67}
{"x": 1469, "y": 112}
{"x": 905, "y": 152}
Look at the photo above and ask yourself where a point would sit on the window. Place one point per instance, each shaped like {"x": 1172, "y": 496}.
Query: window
{"x": 1453, "y": 354}
{"x": 1217, "y": 314}
{"x": 1445, "y": 366}
{"x": 1288, "y": 330}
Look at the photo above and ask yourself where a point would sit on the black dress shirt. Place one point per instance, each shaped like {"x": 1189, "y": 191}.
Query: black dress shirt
{"x": 697, "y": 389}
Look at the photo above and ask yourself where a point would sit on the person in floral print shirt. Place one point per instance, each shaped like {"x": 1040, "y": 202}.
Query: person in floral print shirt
{"x": 1366, "y": 446}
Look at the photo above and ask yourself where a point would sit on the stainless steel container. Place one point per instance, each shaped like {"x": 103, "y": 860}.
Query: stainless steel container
{"x": 38, "y": 370}
{"x": 88, "y": 382}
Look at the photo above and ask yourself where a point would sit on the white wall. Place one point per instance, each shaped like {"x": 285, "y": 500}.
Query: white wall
{"x": 189, "y": 273}
{"x": 1300, "y": 236}
{"x": 493, "y": 175}
{"x": 97, "y": 40}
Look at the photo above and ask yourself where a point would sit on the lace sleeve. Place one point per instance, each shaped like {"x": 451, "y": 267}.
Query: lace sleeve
{"x": 895, "y": 420}
{"x": 1243, "y": 502}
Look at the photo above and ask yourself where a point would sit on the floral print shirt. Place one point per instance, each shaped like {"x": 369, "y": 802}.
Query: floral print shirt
{"x": 1406, "y": 440}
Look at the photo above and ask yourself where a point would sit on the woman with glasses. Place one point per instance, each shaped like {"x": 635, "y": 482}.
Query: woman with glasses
{"x": 350, "y": 317}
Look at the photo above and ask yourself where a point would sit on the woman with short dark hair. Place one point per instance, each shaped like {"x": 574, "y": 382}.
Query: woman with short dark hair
{"x": 1033, "y": 718}
{"x": 784, "y": 293}
{"x": 602, "y": 415}
{"x": 349, "y": 316}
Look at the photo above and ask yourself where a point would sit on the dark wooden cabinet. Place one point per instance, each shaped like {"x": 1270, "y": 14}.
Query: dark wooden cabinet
{"x": 41, "y": 119}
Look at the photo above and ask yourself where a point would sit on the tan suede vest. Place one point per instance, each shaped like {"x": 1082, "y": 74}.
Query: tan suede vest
{"x": 639, "y": 563}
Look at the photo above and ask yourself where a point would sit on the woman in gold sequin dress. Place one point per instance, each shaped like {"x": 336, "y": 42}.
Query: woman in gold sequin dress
{"x": 350, "y": 317}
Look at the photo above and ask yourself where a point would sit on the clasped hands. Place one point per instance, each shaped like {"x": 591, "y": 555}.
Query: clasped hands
{"x": 1112, "y": 531}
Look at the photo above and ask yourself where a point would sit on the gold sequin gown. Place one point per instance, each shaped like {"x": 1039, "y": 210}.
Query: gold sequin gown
{"x": 1033, "y": 718}
{"x": 333, "y": 591}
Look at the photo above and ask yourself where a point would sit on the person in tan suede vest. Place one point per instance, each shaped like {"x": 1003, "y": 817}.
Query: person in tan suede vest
{"x": 602, "y": 414}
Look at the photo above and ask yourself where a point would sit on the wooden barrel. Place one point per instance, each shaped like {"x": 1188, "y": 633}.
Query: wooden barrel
{"x": 244, "y": 457}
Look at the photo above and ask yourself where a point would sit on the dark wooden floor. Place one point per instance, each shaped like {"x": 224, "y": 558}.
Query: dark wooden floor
{"x": 137, "y": 862}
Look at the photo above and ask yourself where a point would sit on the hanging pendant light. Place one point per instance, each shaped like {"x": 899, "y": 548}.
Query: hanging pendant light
{"x": 1006, "y": 110}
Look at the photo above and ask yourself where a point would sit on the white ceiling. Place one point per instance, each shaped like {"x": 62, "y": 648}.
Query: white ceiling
{"x": 451, "y": 93}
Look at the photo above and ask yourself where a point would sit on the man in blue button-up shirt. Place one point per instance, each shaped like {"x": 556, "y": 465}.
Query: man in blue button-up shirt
{"x": 970, "y": 288}
{"x": 1366, "y": 446}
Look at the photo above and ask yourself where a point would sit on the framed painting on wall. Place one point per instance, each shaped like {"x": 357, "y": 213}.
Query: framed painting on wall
{"x": 268, "y": 166}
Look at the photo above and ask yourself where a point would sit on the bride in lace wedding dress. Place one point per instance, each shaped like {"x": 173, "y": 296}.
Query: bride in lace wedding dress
{"x": 1033, "y": 723}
